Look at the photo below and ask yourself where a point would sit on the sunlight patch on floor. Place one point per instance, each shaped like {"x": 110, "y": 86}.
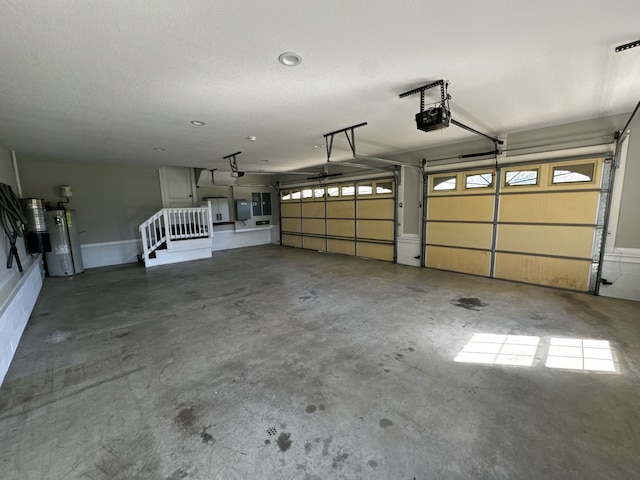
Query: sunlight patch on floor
{"x": 580, "y": 354}
{"x": 499, "y": 349}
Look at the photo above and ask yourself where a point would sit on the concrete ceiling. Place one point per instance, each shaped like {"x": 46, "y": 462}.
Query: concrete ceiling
{"x": 110, "y": 80}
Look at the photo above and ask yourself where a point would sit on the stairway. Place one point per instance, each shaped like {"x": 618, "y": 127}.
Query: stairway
{"x": 173, "y": 235}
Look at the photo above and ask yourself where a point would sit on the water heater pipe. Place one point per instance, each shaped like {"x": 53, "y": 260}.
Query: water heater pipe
{"x": 16, "y": 173}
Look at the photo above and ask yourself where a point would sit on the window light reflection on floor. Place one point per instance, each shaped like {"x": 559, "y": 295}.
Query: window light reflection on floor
{"x": 497, "y": 349}
{"x": 580, "y": 354}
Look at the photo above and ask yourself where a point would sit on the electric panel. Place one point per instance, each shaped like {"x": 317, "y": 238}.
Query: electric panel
{"x": 243, "y": 210}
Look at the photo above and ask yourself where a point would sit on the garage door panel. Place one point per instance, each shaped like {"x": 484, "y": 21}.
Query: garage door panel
{"x": 565, "y": 207}
{"x": 290, "y": 209}
{"x": 341, "y": 228}
{"x": 475, "y": 262}
{"x": 292, "y": 241}
{"x": 470, "y": 235}
{"x": 313, "y": 209}
{"x": 291, "y": 225}
{"x": 345, "y": 247}
{"x": 333, "y": 223}
{"x": 381, "y": 208}
{"x": 340, "y": 209}
{"x": 313, "y": 225}
{"x": 478, "y": 208}
{"x": 314, "y": 243}
{"x": 374, "y": 250}
{"x": 546, "y": 239}
{"x": 375, "y": 229}
{"x": 552, "y": 272}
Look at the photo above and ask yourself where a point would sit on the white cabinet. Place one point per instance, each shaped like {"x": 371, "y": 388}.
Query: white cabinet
{"x": 219, "y": 209}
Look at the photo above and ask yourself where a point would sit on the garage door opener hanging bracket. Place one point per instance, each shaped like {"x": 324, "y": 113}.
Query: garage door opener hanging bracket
{"x": 444, "y": 111}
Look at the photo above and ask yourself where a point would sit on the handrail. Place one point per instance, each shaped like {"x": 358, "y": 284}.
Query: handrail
{"x": 173, "y": 224}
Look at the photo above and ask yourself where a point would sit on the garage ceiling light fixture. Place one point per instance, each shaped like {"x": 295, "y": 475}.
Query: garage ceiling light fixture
{"x": 290, "y": 59}
{"x": 198, "y": 123}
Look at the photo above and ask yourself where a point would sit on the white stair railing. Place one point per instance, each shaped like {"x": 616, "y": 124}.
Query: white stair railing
{"x": 173, "y": 224}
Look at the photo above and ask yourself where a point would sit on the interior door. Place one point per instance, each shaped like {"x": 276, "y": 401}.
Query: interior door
{"x": 177, "y": 185}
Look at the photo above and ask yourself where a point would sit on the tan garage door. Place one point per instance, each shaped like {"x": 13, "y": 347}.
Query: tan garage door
{"x": 460, "y": 215}
{"x": 534, "y": 223}
{"x": 351, "y": 218}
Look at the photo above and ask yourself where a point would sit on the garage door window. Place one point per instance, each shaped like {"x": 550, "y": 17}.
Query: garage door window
{"x": 318, "y": 192}
{"x": 365, "y": 189}
{"x": 286, "y": 195}
{"x": 348, "y": 190}
{"x": 447, "y": 182}
{"x": 573, "y": 173}
{"x": 333, "y": 191}
{"x": 516, "y": 178}
{"x": 478, "y": 180}
{"x": 384, "y": 188}
{"x": 307, "y": 193}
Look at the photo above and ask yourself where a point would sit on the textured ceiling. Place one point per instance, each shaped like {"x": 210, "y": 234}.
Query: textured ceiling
{"x": 110, "y": 80}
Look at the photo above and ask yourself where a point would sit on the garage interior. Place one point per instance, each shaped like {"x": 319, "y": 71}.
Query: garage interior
{"x": 320, "y": 241}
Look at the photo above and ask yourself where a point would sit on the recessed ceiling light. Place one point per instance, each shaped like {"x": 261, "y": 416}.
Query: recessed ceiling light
{"x": 290, "y": 59}
{"x": 159, "y": 149}
{"x": 198, "y": 123}
{"x": 318, "y": 145}
{"x": 252, "y": 138}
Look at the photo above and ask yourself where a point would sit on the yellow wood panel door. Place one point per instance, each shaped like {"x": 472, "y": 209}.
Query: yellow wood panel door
{"x": 313, "y": 210}
{"x": 378, "y": 209}
{"x": 544, "y": 230}
{"x": 375, "y": 250}
{"x": 314, "y": 226}
{"x": 375, "y": 229}
{"x": 468, "y": 235}
{"x": 556, "y": 240}
{"x": 341, "y": 209}
{"x": 314, "y": 243}
{"x": 552, "y": 272}
{"x": 292, "y": 241}
{"x": 475, "y": 262}
{"x": 459, "y": 229}
{"x": 547, "y": 223}
{"x": 341, "y": 217}
{"x": 549, "y": 207}
{"x": 470, "y": 208}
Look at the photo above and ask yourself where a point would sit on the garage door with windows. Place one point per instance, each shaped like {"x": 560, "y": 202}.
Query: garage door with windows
{"x": 351, "y": 218}
{"x": 534, "y": 223}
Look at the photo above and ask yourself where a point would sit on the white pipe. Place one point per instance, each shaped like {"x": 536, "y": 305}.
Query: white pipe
{"x": 16, "y": 173}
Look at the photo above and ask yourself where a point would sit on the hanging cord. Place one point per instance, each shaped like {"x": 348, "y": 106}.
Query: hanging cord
{"x": 13, "y": 221}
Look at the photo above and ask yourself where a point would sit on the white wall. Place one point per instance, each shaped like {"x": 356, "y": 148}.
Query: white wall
{"x": 621, "y": 265}
{"x": 18, "y": 291}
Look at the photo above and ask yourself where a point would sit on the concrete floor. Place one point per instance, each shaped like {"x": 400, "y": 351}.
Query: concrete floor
{"x": 274, "y": 363}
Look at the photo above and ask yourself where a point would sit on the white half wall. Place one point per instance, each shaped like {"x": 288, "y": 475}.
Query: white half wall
{"x": 110, "y": 253}
{"x": 18, "y": 300}
{"x": 622, "y": 268}
{"x": 408, "y": 250}
{"x": 225, "y": 240}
